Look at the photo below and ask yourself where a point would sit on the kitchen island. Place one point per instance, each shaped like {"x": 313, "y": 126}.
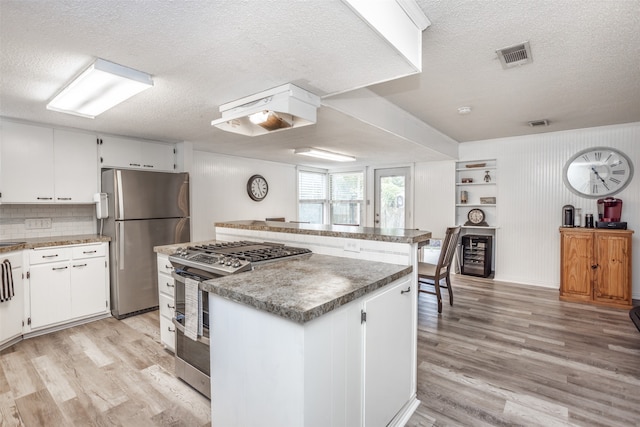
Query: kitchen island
{"x": 290, "y": 344}
{"x": 287, "y": 358}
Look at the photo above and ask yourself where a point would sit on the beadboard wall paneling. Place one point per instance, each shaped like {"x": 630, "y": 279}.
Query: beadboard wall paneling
{"x": 219, "y": 191}
{"x": 434, "y": 199}
{"x": 531, "y": 195}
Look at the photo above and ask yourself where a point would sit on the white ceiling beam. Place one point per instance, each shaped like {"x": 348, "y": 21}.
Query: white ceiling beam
{"x": 366, "y": 106}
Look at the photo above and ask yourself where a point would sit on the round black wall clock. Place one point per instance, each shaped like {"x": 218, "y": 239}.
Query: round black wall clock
{"x": 598, "y": 172}
{"x": 257, "y": 188}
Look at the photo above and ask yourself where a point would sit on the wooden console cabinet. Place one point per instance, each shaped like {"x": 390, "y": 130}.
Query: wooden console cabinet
{"x": 595, "y": 266}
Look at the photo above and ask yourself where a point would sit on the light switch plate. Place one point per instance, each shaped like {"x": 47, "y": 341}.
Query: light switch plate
{"x": 352, "y": 246}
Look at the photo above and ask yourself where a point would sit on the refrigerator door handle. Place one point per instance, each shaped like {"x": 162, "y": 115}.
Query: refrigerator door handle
{"x": 119, "y": 195}
{"x": 120, "y": 238}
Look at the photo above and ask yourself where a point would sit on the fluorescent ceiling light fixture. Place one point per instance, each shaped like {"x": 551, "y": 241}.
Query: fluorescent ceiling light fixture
{"x": 98, "y": 88}
{"x": 323, "y": 154}
{"x": 283, "y": 107}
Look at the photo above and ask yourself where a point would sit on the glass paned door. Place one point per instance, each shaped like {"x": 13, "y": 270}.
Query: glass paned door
{"x": 392, "y": 201}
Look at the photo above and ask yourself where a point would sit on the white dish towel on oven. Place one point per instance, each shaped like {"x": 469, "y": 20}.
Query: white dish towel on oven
{"x": 193, "y": 309}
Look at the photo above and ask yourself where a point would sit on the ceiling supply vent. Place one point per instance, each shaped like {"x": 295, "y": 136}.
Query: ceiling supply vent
{"x": 515, "y": 55}
{"x": 536, "y": 123}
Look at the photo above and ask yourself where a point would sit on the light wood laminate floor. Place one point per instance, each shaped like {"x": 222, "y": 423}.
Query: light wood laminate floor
{"x": 504, "y": 354}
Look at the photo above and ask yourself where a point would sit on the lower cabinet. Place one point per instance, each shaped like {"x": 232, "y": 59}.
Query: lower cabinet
{"x": 340, "y": 369}
{"x": 388, "y": 356}
{"x": 67, "y": 283}
{"x": 166, "y": 293}
{"x": 595, "y": 266}
{"x": 12, "y": 311}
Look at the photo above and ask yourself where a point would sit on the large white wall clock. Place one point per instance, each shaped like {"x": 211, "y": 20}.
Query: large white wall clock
{"x": 598, "y": 172}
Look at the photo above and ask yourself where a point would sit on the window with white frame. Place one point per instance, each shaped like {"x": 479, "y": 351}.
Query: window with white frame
{"x": 334, "y": 198}
{"x": 312, "y": 196}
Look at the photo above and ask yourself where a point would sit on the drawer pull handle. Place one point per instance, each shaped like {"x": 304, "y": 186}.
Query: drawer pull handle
{"x": 168, "y": 267}
{"x": 406, "y": 291}
{"x": 148, "y": 166}
{"x": 44, "y": 198}
{"x": 171, "y": 306}
{"x": 50, "y": 256}
{"x": 89, "y": 252}
{"x": 64, "y": 198}
{"x": 134, "y": 164}
{"x": 79, "y": 265}
{"x": 60, "y": 268}
{"x": 171, "y": 285}
{"x": 171, "y": 330}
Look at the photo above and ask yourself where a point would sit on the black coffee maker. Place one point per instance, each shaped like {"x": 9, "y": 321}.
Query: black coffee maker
{"x": 568, "y": 216}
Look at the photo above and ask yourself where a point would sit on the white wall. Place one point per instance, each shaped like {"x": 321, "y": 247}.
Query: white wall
{"x": 435, "y": 196}
{"x": 531, "y": 194}
{"x": 219, "y": 191}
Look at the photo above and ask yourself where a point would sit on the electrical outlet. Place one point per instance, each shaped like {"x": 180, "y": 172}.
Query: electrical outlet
{"x": 352, "y": 246}
{"x": 37, "y": 223}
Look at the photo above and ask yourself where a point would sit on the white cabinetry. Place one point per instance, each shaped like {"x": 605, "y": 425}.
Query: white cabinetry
{"x": 335, "y": 370}
{"x": 119, "y": 152}
{"x": 43, "y": 165}
{"x": 166, "y": 292}
{"x": 75, "y": 166}
{"x": 388, "y": 358}
{"x": 12, "y": 311}
{"x": 67, "y": 283}
{"x": 26, "y": 163}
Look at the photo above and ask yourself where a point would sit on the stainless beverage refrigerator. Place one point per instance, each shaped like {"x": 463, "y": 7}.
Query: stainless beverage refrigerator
{"x": 146, "y": 209}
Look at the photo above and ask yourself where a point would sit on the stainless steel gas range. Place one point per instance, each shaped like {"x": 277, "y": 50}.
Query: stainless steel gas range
{"x": 206, "y": 262}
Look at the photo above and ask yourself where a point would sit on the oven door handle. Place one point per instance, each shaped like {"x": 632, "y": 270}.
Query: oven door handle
{"x": 180, "y": 328}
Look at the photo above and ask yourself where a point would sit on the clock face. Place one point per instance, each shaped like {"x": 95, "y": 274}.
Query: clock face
{"x": 475, "y": 216}
{"x": 257, "y": 187}
{"x": 598, "y": 172}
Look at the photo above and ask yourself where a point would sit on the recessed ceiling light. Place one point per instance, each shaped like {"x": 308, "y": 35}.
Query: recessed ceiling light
{"x": 464, "y": 110}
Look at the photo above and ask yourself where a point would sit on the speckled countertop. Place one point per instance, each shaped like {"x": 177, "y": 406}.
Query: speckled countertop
{"x": 171, "y": 249}
{"x": 43, "y": 242}
{"x": 395, "y": 235}
{"x": 304, "y": 288}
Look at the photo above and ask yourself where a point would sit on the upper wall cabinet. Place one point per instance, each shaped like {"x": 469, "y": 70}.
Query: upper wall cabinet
{"x": 43, "y": 165}
{"x": 135, "y": 154}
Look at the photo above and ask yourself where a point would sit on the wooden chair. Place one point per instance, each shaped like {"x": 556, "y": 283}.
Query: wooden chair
{"x": 436, "y": 272}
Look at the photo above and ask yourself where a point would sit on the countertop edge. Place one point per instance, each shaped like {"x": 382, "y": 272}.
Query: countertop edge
{"x": 43, "y": 242}
{"x": 302, "y": 316}
{"x": 334, "y": 231}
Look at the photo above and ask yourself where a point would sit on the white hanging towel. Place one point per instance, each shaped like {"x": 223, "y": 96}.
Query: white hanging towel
{"x": 6, "y": 281}
{"x": 193, "y": 309}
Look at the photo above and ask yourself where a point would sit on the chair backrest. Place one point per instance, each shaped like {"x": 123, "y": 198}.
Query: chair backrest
{"x": 448, "y": 249}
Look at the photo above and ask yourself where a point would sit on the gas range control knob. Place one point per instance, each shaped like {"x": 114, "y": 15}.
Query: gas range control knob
{"x": 221, "y": 260}
{"x": 235, "y": 263}
{"x": 228, "y": 262}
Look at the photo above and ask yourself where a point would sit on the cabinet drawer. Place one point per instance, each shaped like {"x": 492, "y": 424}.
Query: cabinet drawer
{"x": 164, "y": 266}
{"x": 40, "y": 256}
{"x": 166, "y": 285}
{"x": 15, "y": 258}
{"x": 167, "y": 306}
{"x": 168, "y": 333}
{"x": 88, "y": 251}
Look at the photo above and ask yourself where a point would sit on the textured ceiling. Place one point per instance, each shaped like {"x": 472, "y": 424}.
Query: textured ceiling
{"x": 586, "y": 68}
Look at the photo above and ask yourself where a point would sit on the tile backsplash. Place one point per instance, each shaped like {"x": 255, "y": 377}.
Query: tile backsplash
{"x": 25, "y": 221}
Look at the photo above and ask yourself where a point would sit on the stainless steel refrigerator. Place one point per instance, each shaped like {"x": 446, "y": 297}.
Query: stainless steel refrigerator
{"x": 146, "y": 209}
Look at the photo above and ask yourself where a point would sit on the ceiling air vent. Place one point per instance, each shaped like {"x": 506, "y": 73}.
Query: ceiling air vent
{"x": 514, "y": 56}
{"x": 536, "y": 123}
